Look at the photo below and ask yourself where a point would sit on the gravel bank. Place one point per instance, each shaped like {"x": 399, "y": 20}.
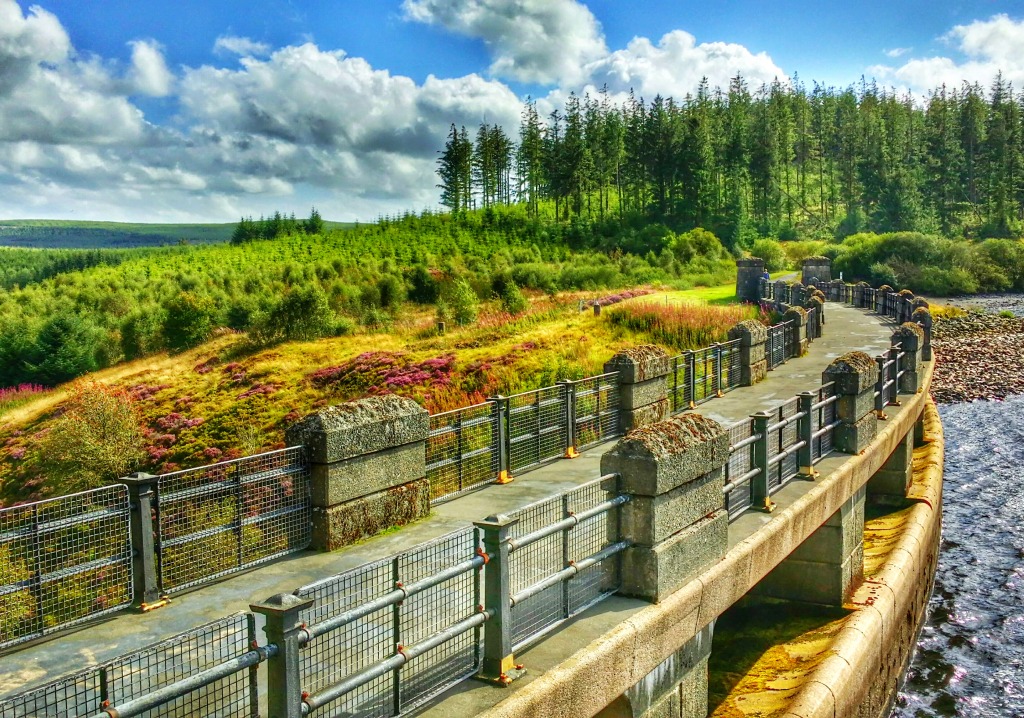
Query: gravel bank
{"x": 979, "y": 356}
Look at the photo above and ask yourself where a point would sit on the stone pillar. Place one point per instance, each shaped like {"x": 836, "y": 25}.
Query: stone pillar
{"x": 797, "y": 294}
{"x": 890, "y": 483}
{"x": 814, "y": 328}
{"x": 855, "y": 375}
{"x": 860, "y": 297}
{"x": 676, "y": 517}
{"x": 819, "y": 268}
{"x": 643, "y": 385}
{"x": 905, "y": 308}
{"x": 910, "y": 337}
{"x": 678, "y": 688}
{"x": 882, "y": 301}
{"x": 748, "y": 279}
{"x": 753, "y": 363}
{"x": 828, "y": 565}
{"x": 781, "y": 294}
{"x": 923, "y": 317}
{"x": 368, "y": 461}
{"x": 796, "y": 341}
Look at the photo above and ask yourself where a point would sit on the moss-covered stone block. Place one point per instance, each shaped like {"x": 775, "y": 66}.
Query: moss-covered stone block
{"x": 656, "y": 459}
{"x": 853, "y": 373}
{"x": 639, "y": 363}
{"x": 366, "y": 516}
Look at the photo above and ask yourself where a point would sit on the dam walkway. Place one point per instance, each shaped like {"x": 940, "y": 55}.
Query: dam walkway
{"x": 846, "y": 329}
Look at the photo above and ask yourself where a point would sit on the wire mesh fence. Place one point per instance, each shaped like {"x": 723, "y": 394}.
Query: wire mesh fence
{"x": 63, "y": 561}
{"x": 215, "y": 520}
{"x": 596, "y": 409}
{"x": 822, "y": 417}
{"x": 462, "y": 450}
{"x": 536, "y": 427}
{"x": 359, "y": 644}
{"x": 680, "y": 387}
{"x": 775, "y": 346}
{"x": 133, "y": 676}
{"x": 730, "y": 361}
{"x": 528, "y": 566}
{"x": 741, "y": 461}
{"x": 705, "y": 374}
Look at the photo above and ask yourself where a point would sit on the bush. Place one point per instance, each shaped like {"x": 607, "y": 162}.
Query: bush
{"x": 771, "y": 252}
{"x": 304, "y": 313}
{"x": 65, "y": 347}
{"x": 189, "y": 321}
{"x": 512, "y": 300}
{"x": 461, "y": 303}
{"x": 97, "y": 438}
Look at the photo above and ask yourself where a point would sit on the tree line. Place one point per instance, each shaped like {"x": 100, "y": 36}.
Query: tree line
{"x": 782, "y": 160}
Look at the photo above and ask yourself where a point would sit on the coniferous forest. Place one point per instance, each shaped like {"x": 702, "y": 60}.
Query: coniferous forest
{"x": 783, "y": 160}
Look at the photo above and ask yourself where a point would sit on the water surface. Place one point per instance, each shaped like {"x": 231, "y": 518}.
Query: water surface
{"x": 970, "y": 656}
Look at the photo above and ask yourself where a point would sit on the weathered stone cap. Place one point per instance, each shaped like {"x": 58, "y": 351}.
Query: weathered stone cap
{"x": 814, "y": 302}
{"x": 817, "y": 259}
{"x": 920, "y": 302}
{"x": 655, "y": 459}
{"x": 853, "y": 373}
{"x": 923, "y": 316}
{"x": 360, "y": 427}
{"x": 909, "y": 336}
{"x": 905, "y": 293}
{"x": 797, "y": 314}
{"x": 750, "y": 262}
{"x": 750, "y": 332}
{"x": 885, "y": 288}
{"x": 639, "y": 363}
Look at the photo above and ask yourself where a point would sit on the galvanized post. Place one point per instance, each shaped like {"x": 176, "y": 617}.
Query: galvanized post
{"x": 894, "y": 376}
{"x": 880, "y": 391}
{"x": 718, "y": 371}
{"x": 805, "y": 432}
{"x": 498, "y": 665}
{"x": 566, "y": 557}
{"x": 146, "y": 586}
{"x": 283, "y": 627}
{"x": 691, "y": 377}
{"x": 760, "y": 492}
{"x": 500, "y": 440}
{"x": 569, "y": 389}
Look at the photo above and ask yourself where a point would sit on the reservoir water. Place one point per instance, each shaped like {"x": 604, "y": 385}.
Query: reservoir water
{"x": 970, "y": 656}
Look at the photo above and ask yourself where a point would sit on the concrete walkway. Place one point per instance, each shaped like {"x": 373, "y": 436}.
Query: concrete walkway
{"x": 846, "y": 329}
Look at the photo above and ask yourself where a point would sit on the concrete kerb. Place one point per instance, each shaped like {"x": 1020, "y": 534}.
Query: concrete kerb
{"x": 712, "y": 589}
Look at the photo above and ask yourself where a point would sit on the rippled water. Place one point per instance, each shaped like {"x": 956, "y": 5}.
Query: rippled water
{"x": 970, "y": 657}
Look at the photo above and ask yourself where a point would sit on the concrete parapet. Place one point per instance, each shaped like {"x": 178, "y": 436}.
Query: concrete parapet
{"x": 923, "y": 317}
{"x": 816, "y": 270}
{"x": 890, "y": 484}
{"x": 749, "y": 273}
{"x": 678, "y": 687}
{"x": 675, "y": 519}
{"x": 860, "y": 297}
{"x": 368, "y": 467}
{"x": 818, "y": 305}
{"x": 910, "y": 338}
{"x": 753, "y": 362}
{"x": 643, "y": 385}
{"x": 854, "y": 375}
{"x": 796, "y": 341}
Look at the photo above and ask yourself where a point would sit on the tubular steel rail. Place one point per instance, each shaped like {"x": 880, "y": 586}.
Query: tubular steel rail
{"x": 219, "y": 519}
{"x": 63, "y": 561}
{"x": 209, "y": 671}
{"x": 699, "y": 375}
{"x": 463, "y": 450}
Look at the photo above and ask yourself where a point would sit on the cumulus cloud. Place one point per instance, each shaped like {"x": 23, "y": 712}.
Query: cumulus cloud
{"x": 543, "y": 41}
{"x": 897, "y": 51}
{"x": 149, "y": 70}
{"x": 989, "y": 47}
{"x": 241, "y": 46}
{"x": 676, "y": 65}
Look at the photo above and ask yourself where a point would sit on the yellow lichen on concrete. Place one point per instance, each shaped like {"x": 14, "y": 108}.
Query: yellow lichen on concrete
{"x": 881, "y": 535}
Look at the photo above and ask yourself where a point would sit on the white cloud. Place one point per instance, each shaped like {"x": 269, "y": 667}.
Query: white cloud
{"x": 544, "y": 41}
{"x": 676, "y": 65}
{"x": 241, "y": 46}
{"x": 990, "y": 46}
{"x": 898, "y": 52}
{"x": 149, "y": 71}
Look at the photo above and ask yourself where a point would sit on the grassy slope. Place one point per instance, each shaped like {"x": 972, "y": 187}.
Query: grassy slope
{"x": 553, "y": 340}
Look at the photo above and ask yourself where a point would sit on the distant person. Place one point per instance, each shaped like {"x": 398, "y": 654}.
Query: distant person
{"x": 766, "y": 277}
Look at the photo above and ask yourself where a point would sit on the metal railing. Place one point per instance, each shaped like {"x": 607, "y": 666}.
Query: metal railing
{"x": 702, "y": 374}
{"x": 775, "y": 346}
{"x": 63, "y": 561}
{"x": 463, "y": 450}
{"x": 594, "y": 406}
{"x": 208, "y": 671}
{"x": 219, "y": 519}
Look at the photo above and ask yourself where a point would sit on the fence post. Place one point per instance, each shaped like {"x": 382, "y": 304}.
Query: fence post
{"x": 760, "y": 492}
{"x": 805, "y": 432}
{"x": 498, "y": 665}
{"x": 691, "y": 377}
{"x": 718, "y": 371}
{"x": 880, "y": 391}
{"x": 500, "y": 409}
{"x": 146, "y": 593}
{"x": 283, "y": 627}
{"x": 569, "y": 387}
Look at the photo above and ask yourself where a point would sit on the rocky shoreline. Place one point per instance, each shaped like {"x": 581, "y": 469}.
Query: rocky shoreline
{"x": 978, "y": 356}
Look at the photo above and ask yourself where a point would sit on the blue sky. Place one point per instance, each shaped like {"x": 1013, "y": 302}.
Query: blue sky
{"x": 142, "y": 110}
